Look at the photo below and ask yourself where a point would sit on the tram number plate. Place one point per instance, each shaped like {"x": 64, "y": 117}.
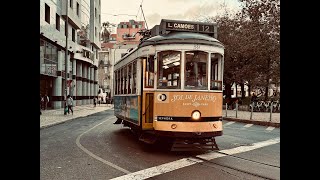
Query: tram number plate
{"x": 196, "y": 46}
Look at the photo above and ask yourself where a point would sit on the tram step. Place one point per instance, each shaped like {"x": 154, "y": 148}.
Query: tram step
{"x": 148, "y": 138}
{"x": 194, "y": 145}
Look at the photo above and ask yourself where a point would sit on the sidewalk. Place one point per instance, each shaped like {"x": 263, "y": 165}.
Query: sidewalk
{"x": 258, "y": 118}
{"x": 56, "y": 116}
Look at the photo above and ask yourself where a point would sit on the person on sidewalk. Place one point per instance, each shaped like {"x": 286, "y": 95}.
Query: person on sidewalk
{"x": 94, "y": 101}
{"x": 46, "y": 101}
{"x": 42, "y": 101}
{"x": 70, "y": 104}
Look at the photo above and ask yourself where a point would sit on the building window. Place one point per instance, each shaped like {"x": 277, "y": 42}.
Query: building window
{"x": 71, "y": 4}
{"x": 48, "y": 58}
{"x": 73, "y": 35}
{"x": 57, "y": 22}
{"x": 78, "y": 8}
{"x": 47, "y": 13}
{"x": 140, "y": 26}
{"x": 95, "y": 12}
{"x": 99, "y": 2}
{"x": 99, "y": 19}
{"x": 95, "y": 31}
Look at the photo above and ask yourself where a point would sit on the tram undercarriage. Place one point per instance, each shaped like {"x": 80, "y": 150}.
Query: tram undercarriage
{"x": 178, "y": 141}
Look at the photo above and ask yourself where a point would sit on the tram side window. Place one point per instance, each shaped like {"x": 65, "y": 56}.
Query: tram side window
{"x": 129, "y": 78}
{"x": 149, "y": 75}
{"x": 196, "y": 70}
{"x": 134, "y": 75}
{"x": 116, "y": 82}
{"x": 169, "y": 69}
{"x": 119, "y": 82}
{"x": 125, "y": 80}
{"x": 216, "y": 83}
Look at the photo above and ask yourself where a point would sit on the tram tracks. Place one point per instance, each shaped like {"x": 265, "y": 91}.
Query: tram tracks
{"x": 212, "y": 165}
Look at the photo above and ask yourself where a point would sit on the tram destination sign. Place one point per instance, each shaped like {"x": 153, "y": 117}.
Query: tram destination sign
{"x": 174, "y": 25}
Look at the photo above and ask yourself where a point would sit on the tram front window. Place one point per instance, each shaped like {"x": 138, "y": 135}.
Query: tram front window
{"x": 169, "y": 69}
{"x": 216, "y": 73}
{"x": 196, "y": 70}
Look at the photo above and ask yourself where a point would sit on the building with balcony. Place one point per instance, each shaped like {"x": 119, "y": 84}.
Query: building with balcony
{"x": 127, "y": 32}
{"x": 117, "y": 46}
{"x": 70, "y": 26}
{"x": 110, "y": 53}
{"x": 105, "y": 68}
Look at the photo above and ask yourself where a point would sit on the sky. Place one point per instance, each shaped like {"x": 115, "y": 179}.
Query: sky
{"x": 116, "y": 11}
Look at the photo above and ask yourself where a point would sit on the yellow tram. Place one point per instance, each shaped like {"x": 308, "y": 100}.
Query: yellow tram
{"x": 170, "y": 85}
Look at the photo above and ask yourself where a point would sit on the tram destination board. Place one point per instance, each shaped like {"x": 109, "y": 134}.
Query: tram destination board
{"x": 174, "y": 25}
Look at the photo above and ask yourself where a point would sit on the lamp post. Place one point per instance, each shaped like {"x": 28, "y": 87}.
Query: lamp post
{"x": 66, "y": 54}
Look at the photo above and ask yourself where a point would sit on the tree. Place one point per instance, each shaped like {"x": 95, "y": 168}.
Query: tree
{"x": 251, "y": 40}
{"x": 264, "y": 18}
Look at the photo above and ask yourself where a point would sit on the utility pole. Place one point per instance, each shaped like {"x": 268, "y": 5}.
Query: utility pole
{"x": 66, "y": 53}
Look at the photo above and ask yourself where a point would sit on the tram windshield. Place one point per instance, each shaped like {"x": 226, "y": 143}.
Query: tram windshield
{"x": 196, "y": 65}
{"x": 196, "y": 70}
{"x": 169, "y": 70}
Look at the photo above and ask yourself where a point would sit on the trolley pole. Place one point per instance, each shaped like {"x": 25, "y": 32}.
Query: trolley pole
{"x": 66, "y": 55}
{"x": 251, "y": 112}
{"x": 236, "y": 110}
{"x": 271, "y": 111}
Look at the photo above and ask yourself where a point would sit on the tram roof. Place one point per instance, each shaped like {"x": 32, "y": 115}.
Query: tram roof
{"x": 181, "y": 37}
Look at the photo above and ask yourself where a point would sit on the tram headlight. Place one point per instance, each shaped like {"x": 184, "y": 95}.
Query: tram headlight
{"x": 195, "y": 115}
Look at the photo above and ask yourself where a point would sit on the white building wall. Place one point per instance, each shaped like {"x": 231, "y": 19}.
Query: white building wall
{"x": 58, "y": 37}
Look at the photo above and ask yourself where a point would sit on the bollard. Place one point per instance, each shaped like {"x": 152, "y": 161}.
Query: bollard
{"x": 271, "y": 111}
{"x": 226, "y": 109}
{"x": 236, "y": 110}
{"x": 251, "y": 112}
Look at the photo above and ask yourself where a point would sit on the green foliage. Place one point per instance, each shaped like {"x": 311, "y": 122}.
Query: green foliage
{"x": 252, "y": 43}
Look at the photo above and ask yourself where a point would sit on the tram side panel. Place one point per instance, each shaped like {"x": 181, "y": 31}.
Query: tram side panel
{"x": 127, "y": 108}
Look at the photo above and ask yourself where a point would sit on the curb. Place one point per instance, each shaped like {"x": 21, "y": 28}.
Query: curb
{"x": 56, "y": 123}
{"x": 261, "y": 123}
{"x": 63, "y": 121}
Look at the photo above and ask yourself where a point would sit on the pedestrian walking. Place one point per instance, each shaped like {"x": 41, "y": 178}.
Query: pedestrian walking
{"x": 94, "y": 101}
{"x": 46, "y": 101}
{"x": 70, "y": 104}
{"x": 42, "y": 102}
